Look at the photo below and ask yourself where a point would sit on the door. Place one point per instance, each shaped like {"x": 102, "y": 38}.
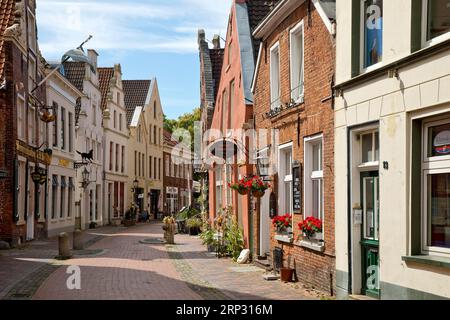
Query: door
{"x": 30, "y": 209}
{"x": 370, "y": 191}
{"x": 265, "y": 224}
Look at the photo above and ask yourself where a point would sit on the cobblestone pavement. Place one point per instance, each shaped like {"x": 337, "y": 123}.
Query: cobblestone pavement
{"x": 23, "y": 270}
{"x": 123, "y": 268}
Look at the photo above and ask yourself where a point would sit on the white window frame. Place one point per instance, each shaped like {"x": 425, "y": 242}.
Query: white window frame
{"x": 374, "y": 164}
{"x": 310, "y": 176}
{"x": 284, "y": 178}
{"x": 433, "y": 41}
{"x": 375, "y": 66}
{"x": 273, "y": 105}
{"x": 299, "y": 28}
{"x": 431, "y": 166}
{"x": 22, "y": 130}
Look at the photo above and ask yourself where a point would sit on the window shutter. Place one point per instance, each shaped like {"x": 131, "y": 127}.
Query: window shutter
{"x": 416, "y": 25}
{"x": 356, "y": 37}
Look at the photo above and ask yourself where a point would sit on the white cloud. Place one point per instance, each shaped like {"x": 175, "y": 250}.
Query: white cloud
{"x": 155, "y": 25}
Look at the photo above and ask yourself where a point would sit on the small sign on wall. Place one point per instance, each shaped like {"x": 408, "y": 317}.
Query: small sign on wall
{"x": 357, "y": 216}
{"x": 297, "y": 188}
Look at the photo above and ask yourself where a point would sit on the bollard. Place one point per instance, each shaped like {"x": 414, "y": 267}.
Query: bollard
{"x": 64, "y": 246}
{"x": 78, "y": 240}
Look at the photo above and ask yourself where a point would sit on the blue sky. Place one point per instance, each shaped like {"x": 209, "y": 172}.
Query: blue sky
{"x": 149, "y": 38}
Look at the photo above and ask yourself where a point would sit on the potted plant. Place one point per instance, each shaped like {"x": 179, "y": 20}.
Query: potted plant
{"x": 194, "y": 225}
{"x": 130, "y": 217}
{"x": 283, "y": 224}
{"x": 310, "y": 227}
{"x": 258, "y": 187}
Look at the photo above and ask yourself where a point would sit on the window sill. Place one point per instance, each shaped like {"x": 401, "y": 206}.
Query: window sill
{"x": 436, "y": 261}
{"x": 284, "y": 238}
{"x": 312, "y": 245}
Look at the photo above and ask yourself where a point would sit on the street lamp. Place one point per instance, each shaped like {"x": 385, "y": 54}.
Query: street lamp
{"x": 85, "y": 176}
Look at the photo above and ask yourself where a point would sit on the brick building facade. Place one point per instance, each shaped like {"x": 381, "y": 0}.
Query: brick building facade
{"x": 21, "y": 69}
{"x": 178, "y": 183}
{"x": 293, "y": 95}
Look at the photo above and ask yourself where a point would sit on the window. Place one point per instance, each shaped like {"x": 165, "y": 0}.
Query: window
{"x": 115, "y": 119}
{"x": 154, "y": 109}
{"x": 224, "y": 111}
{"x": 21, "y": 111}
{"x": 21, "y": 190}
{"x": 436, "y": 19}
{"x": 139, "y": 164}
{"x": 275, "y": 77}
{"x": 285, "y": 181}
{"x": 123, "y": 159}
{"x": 143, "y": 165}
{"x": 117, "y": 157}
{"x": 372, "y": 32}
{"x": 150, "y": 167}
{"x": 154, "y": 166}
{"x": 159, "y": 169}
{"x": 70, "y": 132}
{"x": 54, "y": 195}
{"x": 70, "y": 197}
{"x": 167, "y": 166}
{"x": 154, "y": 135}
{"x": 135, "y": 163}
{"x": 231, "y": 109}
{"x": 63, "y": 129}
{"x": 63, "y": 197}
{"x": 111, "y": 152}
{"x": 436, "y": 187}
{"x": 297, "y": 62}
{"x": 150, "y": 134}
{"x": 55, "y": 125}
{"x": 229, "y": 172}
{"x": 31, "y": 74}
{"x": 314, "y": 177}
{"x": 370, "y": 147}
{"x": 31, "y": 31}
{"x": 120, "y": 121}
{"x": 219, "y": 188}
{"x": 94, "y": 116}
{"x": 159, "y": 136}
{"x": 31, "y": 127}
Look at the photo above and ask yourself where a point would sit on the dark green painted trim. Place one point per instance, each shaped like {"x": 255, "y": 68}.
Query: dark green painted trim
{"x": 435, "y": 261}
{"x": 416, "y": 25}
{"x": 391, "y": 291}
{"x": 416, "y": 183}
{"x": 356, "y": 37}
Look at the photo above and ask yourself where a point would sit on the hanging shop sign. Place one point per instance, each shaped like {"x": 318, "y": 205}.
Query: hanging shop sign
{"x": 29, "y": 152}
{"x": 297, "y": 188}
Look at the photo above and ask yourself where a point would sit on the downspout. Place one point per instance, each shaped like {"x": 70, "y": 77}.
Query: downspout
{"x": 349, "y": 220}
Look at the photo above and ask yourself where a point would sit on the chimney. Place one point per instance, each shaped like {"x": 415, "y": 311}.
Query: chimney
{"x": 93, "y": 55}
{"x": 216, "y": 41}
{"x": 201, "y": 36}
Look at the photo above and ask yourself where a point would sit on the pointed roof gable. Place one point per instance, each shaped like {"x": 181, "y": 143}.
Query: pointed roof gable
{"x": 104, "y": 79}
{"x": 135, "y": 95}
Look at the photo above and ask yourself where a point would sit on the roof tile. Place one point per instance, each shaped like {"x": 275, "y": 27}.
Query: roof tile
{"x": 135, "y": 95}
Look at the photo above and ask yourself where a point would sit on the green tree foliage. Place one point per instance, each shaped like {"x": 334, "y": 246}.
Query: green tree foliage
{"x": 186, "y": 121}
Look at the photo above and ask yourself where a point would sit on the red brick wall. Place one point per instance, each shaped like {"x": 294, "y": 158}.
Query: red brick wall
{"x": 316, "y": 117}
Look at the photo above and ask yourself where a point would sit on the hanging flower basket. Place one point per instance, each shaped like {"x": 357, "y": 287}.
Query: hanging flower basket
{"x": 258, "y": 194}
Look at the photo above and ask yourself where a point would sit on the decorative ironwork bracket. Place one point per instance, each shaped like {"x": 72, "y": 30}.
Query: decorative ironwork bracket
{"x": 78, "y": 165}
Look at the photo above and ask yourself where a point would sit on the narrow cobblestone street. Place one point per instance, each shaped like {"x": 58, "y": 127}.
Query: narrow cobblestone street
{"x": 116, "y": 266}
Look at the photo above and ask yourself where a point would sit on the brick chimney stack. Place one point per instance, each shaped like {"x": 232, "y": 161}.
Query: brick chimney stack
{"x": 216, "y": 41}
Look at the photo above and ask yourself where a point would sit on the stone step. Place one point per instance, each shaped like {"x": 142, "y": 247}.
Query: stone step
{"x": 264, "y": 264}
{"x": 361, "y": 297}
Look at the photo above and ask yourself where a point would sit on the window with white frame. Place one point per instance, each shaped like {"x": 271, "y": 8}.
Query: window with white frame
{"x": 436, "y": 186}
{"x": 314, "y": 177}
{"x": 435, "y": 20}
{"x": 31, "y": 126}
{"x": 297, "y": 62}
{"x": 219, "y": 188}
{"x": 31, "y": 31}
{"x": 285, "y": 179}
{"x": 371, "y": 32}
{"x": 21, "y": 112}
{"x": 370, "y": 147}
{"x": 229, "y": 171}
{"x": 275, "y": 88}
{"x": 63, "y": 197}
{"x": 31, "y": 73}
